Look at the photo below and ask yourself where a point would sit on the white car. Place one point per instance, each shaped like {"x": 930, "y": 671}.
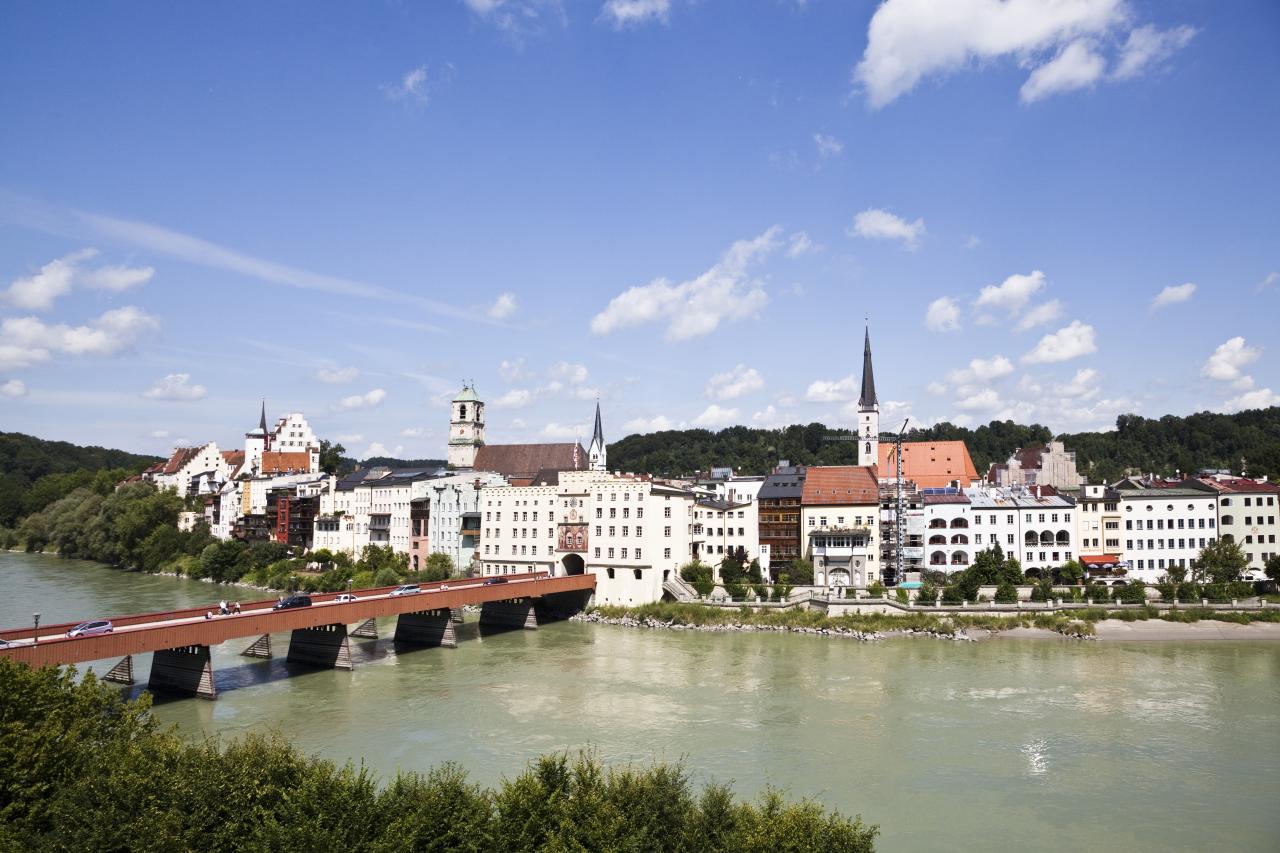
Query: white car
{"x": 346, "y": 598}
{"x": 406, "y": 589}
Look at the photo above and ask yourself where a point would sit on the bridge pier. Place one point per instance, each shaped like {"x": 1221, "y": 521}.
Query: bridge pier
{"x": 121, "y": 673}
{"x": 323, "y": 645}
{"x": 261, "y": 648}
{"x": 187, "y": 670}
{"x": 367, "y": 630}
{"x": 456, "y": 613}
{"x": 427, "y": 628}
{"x": 516, "y": 613}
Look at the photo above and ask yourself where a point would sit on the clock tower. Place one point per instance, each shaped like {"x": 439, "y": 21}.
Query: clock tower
{"x": 466, "y": 428}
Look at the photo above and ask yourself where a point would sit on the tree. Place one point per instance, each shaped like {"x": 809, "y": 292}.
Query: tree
{"x": 1006, "y": 593}
{"x": 1221, "y": 561}
{"x": 1070, "y": 572}
{"x": 1273, "y": 568}
{"x": 698, "y": 575}
{"x": 801, "y": 572}
{"x": 439, "y": 567}
{"x": 330, "y": 456}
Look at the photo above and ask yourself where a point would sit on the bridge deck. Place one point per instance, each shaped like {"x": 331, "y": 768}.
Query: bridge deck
{"x": 149, "y": 632}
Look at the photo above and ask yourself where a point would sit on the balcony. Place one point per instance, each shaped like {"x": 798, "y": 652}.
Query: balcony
{"x": 379, "y": 521}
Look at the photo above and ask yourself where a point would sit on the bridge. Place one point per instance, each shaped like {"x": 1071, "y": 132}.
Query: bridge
{"x": 319, "y": 634}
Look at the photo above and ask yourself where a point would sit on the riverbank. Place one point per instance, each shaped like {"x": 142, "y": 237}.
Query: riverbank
{"x": 1143, "y": 625}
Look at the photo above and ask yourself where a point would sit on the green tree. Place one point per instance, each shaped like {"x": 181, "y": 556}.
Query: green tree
{"x": 330, "y": 456}
{"x": 801, "y": 572}
{"x": 699, "y": 576}
{"x": 439, "y": 567}
{"x": 1273, "y": 568}
{"x": 1221, "y": 561}
{"x": 1006, "y": 593}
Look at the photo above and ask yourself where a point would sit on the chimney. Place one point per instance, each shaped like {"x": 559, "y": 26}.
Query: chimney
{"x": 1037, "y": 491}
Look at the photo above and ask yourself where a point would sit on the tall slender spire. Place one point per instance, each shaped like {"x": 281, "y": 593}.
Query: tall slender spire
{"x": 262, "y": 422}
{"x": 597, "y": 455}
{"x": 599, "y": 434}
{"x": 868, "y": 398}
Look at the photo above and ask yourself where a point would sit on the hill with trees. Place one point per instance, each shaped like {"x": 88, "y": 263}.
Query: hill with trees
{"x": 1158, "y": 445}
{"x": 34, "y": 472}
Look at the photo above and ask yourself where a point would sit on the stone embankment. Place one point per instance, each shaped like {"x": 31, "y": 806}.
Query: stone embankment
{"x": 739, "y": 627}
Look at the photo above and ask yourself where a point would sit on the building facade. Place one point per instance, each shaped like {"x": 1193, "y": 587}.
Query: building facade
{"x": 839, "y": 520}
{"x": 1165, "y": 527}
{"x": 466, "y": 428}
{"x": 779, "y": 512}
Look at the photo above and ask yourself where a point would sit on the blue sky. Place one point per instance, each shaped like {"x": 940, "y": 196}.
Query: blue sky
{"x": 1051, "y": 211}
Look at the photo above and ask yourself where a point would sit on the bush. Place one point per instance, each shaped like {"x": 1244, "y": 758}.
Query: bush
{"x": 1134, "y": 592}
{"x": 699, "y": 576}
{"x": 801, "y": 572}
{"x": 927, "y": 594}
{"x": 952, "y": 595}
{"x": 1190, "y": 593}
{"x": 386, "y": 577}
{"x": 876, "y": 590}
{"x": 903, "y": 595}
{"x": 782, "y": 589}
{"x": 1006, "y": 593}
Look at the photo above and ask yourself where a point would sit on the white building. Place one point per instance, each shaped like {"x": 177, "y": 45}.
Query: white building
{"x": 1165, "y": 527}
{"x": 192, "y": 470}
{"x": 445, "y": 517}
{"x": 1038, "y": 529}
{"x": 1247, "y": 513}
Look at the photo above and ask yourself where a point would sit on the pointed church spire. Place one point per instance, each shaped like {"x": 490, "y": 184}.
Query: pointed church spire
{"x": 597, "y": 454}
{"x": 868, "y": 398}
{"x": 262, "y": 422}
{"x": 599, "y": 434}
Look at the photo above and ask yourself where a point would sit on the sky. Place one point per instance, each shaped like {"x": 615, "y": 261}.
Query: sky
{"x": 1054, "y": 211}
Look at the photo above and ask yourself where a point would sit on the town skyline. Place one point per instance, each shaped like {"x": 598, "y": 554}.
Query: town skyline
{"x": 452, "y": 199}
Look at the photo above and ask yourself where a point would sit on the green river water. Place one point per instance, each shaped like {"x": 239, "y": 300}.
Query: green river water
{"x": 995, "y": 746}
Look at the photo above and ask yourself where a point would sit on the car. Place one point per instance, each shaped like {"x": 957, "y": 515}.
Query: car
{"x": 406, "y": 589}
{"x": 91, "y": 629}
{"x": 292, "y": 602}
{"x": 492, "y": 581}
{"x": 346, "y": 598}
{"x": 4, "y": 644}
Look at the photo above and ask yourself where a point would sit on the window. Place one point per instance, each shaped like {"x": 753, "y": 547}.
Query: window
{"x": 613, "y": 512}
{"x": 610, "y": 557}
{"x": 638, "y": 557}
{"x": 597, "y": 553}
{"x": 666, "y": 512}
{"x": 625, "y": 530}
{"x": 823, "y": 519}
{"x": 599, "y": 512}
{"x": 624, "y": 553}
{"x": 666, "y": 531}
{"x": 666, "y": 553}
{"x": 639, "y": 530}
{"x": 599, "y": 530}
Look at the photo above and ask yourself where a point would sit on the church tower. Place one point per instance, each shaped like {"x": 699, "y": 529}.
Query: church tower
{"x": 868, "y": 411}
{"x": 597, "y": 455}
{"x": 466, "y": 428}
{"x": 256, "y": 443}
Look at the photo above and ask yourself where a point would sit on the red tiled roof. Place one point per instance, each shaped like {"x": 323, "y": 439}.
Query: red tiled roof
{"x": 524, "y": 461}
{"x": 285, "y": 462}
{"x": 840, "y": 485}
{"x": 181, "y": 456}
{"x": 931, "y": 464}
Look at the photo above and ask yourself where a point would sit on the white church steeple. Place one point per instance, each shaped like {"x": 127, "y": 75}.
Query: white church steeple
{"x": 868, "y": 410}
{"x": 597, "y": 456}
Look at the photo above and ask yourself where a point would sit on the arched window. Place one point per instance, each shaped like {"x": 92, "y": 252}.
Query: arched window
{"x": 1228, "y": 519}
{"x": 1030, "y": 538}
{"x": 1046, "y": 538}
{"x": 959, "y": 539}
{"x": 868, "y": 447}
{"x": 462, "y": 412}
{"x": 959, "y": 558}
{"x": 937, "y": 540}
{"x": 1064, "y": 538}
{"x": 937, "y": 522}
{"x": 938, "y": 558}
{"x": 959, "y": 522}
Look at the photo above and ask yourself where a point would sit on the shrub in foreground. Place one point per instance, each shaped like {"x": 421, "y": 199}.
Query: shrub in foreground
{"x": 85, "y": 770}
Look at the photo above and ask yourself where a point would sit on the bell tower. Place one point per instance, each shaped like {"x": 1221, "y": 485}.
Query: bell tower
{"x": 868, "y": 410}
{"x": 466, "y": 428}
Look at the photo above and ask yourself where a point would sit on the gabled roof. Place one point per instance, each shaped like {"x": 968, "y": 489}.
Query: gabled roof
{"x": 181, "y": 456}
{"x": 929, "y": 464}
{"x": 840, "y": 485}
{"x": 284, "y": 462}
{"x": 524, "y": 461}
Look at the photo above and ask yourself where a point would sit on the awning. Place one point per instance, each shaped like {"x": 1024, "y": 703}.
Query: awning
{"x": 1102, "y": 561}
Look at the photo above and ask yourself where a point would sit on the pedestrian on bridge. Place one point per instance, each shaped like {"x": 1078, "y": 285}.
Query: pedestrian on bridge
{"x": 237, "y": 608}
{"x": 222, "y": 607}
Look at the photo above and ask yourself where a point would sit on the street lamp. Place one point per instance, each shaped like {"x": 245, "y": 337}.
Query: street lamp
{"x": 36, "y": 639}
{"x": 348, "y": 584}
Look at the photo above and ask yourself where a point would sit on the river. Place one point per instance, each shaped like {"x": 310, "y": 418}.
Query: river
{"x": 1001, "y": 745}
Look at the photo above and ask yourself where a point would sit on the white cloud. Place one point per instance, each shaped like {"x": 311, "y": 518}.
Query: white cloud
{"x": 1227, "y": 360}
{"x": 982, "y": 370}
{"x": 942, "y": 315}
{"x": 13, "y": 388}
{"x": 1077, "y": 66}
{"x": 626, "y": 13}
{"x": 715, "y": 416}
{"x": 936, "y": 388}
{"x": 412, "y": 86}
{"x": 568, "y": 431}
{"x": 27, "y": 340}
{"x": 734, "y": 383}
{"x": 116, "y": 278}
{"x": 1271, "y": 279}
{"x": 504, "y": 306}
{"x": 877, "y": 224}
{"x": 574, "y": 374}
{"x": 1173, "y": 294}
{"x": 1147, "y": 47}
{"x": 696, "y": 307}
{"x": 350, "y": 438}
{"x": 973, "y": 242}
{"x": 516, "y": 398}
{"x": 337, "y": 375}
{"x": 801, "y": 245}
{"x": 657, "y": 423}
{"x": 176, "y": 387}
{"x": 828, "y": 145}
{"x": 513, "y": 371}
{"x": 1259, "y": 399}
{"x": 363, "y": 401}
{"x": 377, "y": 448}
{"x": 38, "y": 292}
{"x": 414, "y": 432}
{"x": 766, "y": 417}
{"x": 1083, "y": 385}
{"x": 1045, "y": 312}
{"x": 909, "y": 40}
{"x": 984, "y": 399}
{"x": 1065, "y": 344}
{"x": 1012, "y": 294}
{"x": 833, "y": 391}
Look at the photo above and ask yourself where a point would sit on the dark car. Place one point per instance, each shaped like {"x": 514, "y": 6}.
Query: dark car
{"x": 90, "y": 629}
{"x": 492, "y": 581}
{"x": 292, "y": 602}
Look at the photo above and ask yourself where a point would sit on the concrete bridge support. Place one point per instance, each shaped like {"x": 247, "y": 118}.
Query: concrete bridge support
{"x": 457, "y": 615}
{"x": 428, "y": 628}
{"x": 562, "y": 605}
{"x": 324, "y": 645}
{"x": 367, "y": 630}
{"x": 185, "y": 670}
{"x": 261, "y": 648}
{"x": 121, "y": 673}
{"x": 517, "y": 613}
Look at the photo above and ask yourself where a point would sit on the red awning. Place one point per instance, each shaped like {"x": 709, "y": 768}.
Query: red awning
{"x": 1101, "y": 561}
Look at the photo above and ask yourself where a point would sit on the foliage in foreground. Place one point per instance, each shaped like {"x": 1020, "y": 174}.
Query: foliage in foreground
{"x": 85, "y": 770}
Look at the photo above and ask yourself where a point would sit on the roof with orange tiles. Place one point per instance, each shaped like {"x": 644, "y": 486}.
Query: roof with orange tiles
{"x": 181, "y": 456}
{"x": 840, "y": 485}
{"x": 285, "y": 462}
{"x": 930, "y": 464}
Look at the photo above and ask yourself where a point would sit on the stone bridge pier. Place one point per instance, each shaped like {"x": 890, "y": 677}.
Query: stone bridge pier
{"x": 427, "y": 628}
{"x": 325, "y": 646}
{"x": 514, "y": 614}
{"x": 187, "y": 671}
